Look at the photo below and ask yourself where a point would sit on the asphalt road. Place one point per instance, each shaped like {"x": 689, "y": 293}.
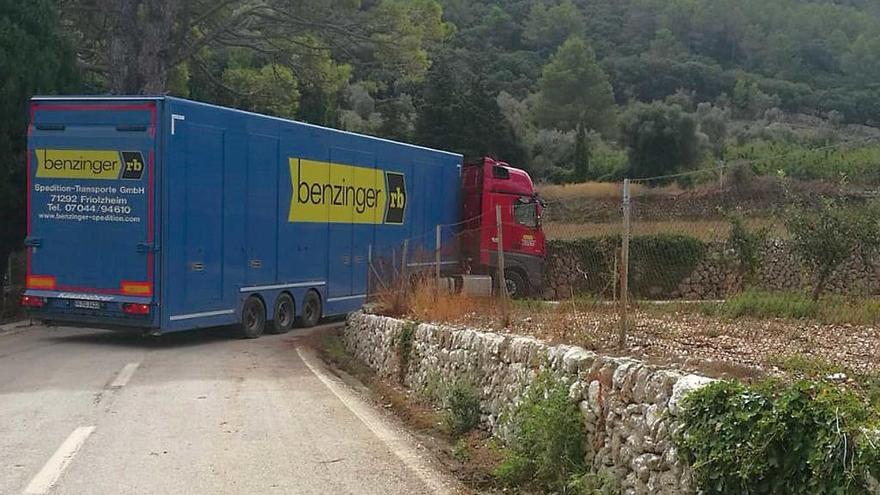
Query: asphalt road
{"x": 92, "y": 412}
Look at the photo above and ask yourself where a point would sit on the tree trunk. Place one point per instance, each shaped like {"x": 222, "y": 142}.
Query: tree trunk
{"x": 581, "y": 155}
{"x": 158, "y": 22}
{"x": 140, "y": 38}
{"x": 822, "y": 280}
{"x": 123, "y": 43}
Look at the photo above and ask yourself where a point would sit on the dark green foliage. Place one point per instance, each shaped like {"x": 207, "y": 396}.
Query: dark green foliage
{"x": 462, "y": 408}
{"x": 546, "y": 446}
{"x": 403, "y": 345}
{"x": 458, "y": 112}
{"x": 661, "y": 139}
{"x": 574, "y": 91}
{"x": 658, "y": 263}
{"x": 581, "y": 170}
{"x": 35, "y": 58}
{"x": 779, "y": 439}
{"x": 747, "y": 246}
{"x": 601, "y": 483}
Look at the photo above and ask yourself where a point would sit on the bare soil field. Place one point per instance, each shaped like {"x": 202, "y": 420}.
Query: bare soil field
{"x": 676, "y": 334}
{"x": 706, "y": 230}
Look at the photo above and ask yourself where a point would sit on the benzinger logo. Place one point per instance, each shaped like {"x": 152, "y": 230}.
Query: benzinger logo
{"x": 337, "y": 193}
{"x": 89, "y": 164}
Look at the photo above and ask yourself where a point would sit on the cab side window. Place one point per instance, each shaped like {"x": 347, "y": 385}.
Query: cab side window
{"x": 525, "y": 212}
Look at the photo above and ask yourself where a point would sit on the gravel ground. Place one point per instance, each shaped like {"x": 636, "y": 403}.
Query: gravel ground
{"x": 741, "y": 348}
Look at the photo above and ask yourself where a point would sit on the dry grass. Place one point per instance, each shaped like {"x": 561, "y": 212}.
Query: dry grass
{"x": 601, "y": 190}
{"x": 707, "y": 230}
{"x": 426, "y": 304}
{"x": 682, "y": 336}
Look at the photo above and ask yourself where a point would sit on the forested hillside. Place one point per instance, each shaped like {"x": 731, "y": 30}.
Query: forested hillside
{"x": 750, "y": 60}
{"x": 517, "y": 79}
{"x": 571, "y": 90}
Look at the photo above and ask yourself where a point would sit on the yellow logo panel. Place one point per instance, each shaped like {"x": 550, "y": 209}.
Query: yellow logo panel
{"x": 336, "y": 193}
{"x": 78, "y": 164}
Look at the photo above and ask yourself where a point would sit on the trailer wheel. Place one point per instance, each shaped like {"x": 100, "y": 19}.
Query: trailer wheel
{"x": 311, "y": 310}
{"x": 517, "y": 286}
{"x": 253, "y": 318}
{"x": 284, "y": 315}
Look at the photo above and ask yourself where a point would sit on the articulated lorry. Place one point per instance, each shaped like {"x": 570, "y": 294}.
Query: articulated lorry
{"x": 163, "y": 214}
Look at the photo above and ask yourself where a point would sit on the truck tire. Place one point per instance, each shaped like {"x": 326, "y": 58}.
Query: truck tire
{"x": 311, "y": 310}
{"x": 517, "y": 286}
{"x": 284, "y": 315}
{"x": 253, "y": 318}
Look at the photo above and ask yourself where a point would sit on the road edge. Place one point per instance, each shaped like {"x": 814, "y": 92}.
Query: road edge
{"x": 399, "y": 443}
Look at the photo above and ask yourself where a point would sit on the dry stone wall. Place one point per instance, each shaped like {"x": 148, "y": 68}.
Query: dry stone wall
{"x": 630, "y": 408}
{"x": 572, "y": 271}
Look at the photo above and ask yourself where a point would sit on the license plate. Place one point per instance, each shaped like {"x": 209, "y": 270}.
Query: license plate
{"x": 87, "y": 304}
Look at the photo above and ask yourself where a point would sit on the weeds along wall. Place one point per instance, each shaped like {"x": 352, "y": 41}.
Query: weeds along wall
{"x": 628, "y": 407}
{"x": 678, "y": 266}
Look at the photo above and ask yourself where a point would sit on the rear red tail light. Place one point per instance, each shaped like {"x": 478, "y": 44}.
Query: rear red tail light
{"x": 136, "y": 309}
{"x": 32, "y": 302}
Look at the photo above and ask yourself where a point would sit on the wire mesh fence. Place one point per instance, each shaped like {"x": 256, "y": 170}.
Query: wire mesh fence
{"x": 721, "y": 233}
{"x": 13, "y": 282}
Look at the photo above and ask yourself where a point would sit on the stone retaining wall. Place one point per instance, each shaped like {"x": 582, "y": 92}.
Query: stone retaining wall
{"x": 570, "y": 271}
{"x": 629, "y": 407}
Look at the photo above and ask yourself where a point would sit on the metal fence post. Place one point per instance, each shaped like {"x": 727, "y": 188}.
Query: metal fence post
{"x": 369, "y": 269}
{"x": 502, "y": 282}
{"x": 403, "y": 263}
{"x": 437, "y": 257}
{"x": 624, "y": 267}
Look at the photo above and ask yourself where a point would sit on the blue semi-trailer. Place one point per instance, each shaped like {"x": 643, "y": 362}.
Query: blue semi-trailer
{"x": 164, "y": 214}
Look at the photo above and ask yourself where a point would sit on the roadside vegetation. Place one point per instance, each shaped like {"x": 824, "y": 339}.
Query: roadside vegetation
{"x": 544, "y": 449}
{"x": 791, "y": 438}
{"x": 816, "y": 428}
{"x": 837, "y": 310}
{"x": 547, "y": 444}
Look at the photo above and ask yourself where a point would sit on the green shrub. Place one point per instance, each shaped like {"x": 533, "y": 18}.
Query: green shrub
{"x": 794, "y": 305}
{"x": 827, "y": 234}
{"x": 856, "y": 311}
{"x": 804, "y": 162}
{"x": 770, "y": 305}
{"x": 658, "y": 263}
{"x": 461, "y": 450}
{"x": 546, "y": 444}
{"x": 602, "y": 483}
{"x": 747, "y": 246}
{"x": 403, "y": 344}
{"x": 462, "y": 408}
{"x": 778, "y": 439}
{"x": 806, "y": 366}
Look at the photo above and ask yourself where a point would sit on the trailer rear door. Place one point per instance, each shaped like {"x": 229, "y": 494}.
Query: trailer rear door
{"x": 91, "y": 172}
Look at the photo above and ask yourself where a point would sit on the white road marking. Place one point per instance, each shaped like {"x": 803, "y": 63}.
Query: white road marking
{"x": 124, "y": 375}
{"x": 398, "y": 445}
{"x": 48, "y": 476}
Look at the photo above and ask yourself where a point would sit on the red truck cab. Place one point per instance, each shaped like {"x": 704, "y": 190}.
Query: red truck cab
{"x": 488, "y": 183}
